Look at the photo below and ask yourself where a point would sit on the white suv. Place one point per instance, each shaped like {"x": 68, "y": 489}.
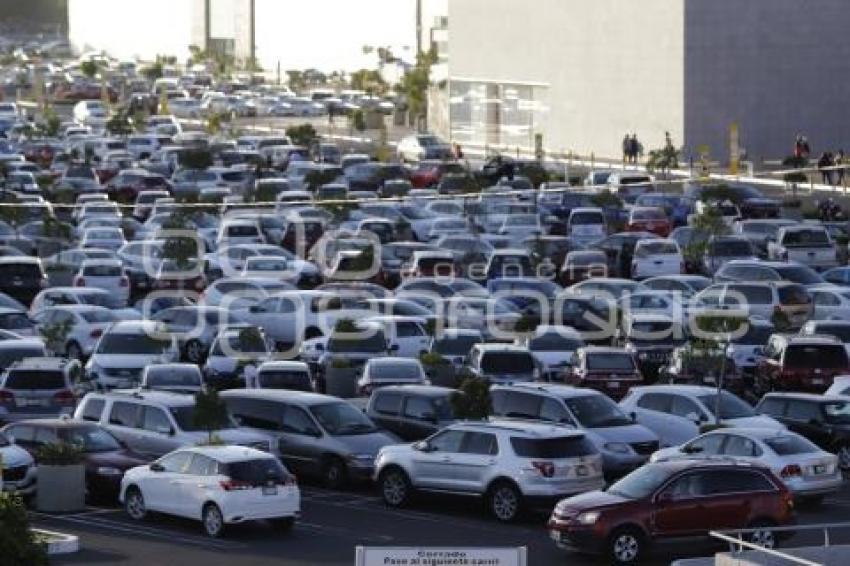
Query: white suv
{"x": 509, "y": 463}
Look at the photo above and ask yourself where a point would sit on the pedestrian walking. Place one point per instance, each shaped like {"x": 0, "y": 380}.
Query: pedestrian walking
{"x": 823, "y": 163}
{"x": 627, "y": 152}
{"x": 840, "y": 162}
{"x": 634, "y": 148}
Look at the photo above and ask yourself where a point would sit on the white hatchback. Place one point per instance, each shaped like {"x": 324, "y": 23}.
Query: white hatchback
{"x": 106, "y": 274}
{"x": 218, "y": 485}
{"x": 657, "y": 257}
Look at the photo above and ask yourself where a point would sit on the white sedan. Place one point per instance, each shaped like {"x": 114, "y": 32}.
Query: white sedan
{"x": 808, "y": 471}
{"x": 218, "y": 485}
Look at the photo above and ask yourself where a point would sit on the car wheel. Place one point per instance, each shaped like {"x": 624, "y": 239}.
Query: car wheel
{"x": 284, "y": 524}
{"x": 134, "y": 504}
{"x": 843, "y": 454}
{"x": 395, "y": 487}
{"x": 194, "y": 352}
{"x": 763, "y": 535}
{"x": 505, "y": 501}
{"x": 73, "y": 351}
{"x": 213, "y": 520}
{"x": 334, "y": 473}
{"x": 625, "y": 546}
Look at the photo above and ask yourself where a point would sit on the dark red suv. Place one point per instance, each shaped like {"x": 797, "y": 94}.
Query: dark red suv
{"x": 612, "y": 371}
{"x": 801, "y": 363}
{"x": 671, "y": 500}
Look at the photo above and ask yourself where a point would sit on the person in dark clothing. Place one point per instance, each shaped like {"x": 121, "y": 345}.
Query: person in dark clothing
{"x": 627, "y": 252}
{"x": 634, "y": 148}
{"x": 824, "y": 162}
{"x": 839, "y": 161}
{"x": 627, "y": 149}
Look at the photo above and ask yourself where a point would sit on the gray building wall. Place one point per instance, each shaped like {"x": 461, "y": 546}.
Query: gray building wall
{"x": 777, "y": 67}
{"x": 611, "y": 66}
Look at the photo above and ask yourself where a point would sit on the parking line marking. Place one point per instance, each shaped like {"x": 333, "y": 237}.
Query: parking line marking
{"x": 145, "y": 531}
{"x": 344, "y": 532}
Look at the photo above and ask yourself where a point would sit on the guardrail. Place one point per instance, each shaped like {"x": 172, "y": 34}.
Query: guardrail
{"x": 735, "y": 539}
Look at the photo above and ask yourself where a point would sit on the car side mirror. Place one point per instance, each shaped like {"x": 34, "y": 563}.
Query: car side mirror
{"x": 691, "y": 449}
{"x": 157, "y": 467}
{"x": 166, "y": 430}
{"x": 693, "y": 417}
{"x": 393, "y": 348}
{"x": 422, "y": 446}
{"x": 633, "y": 416}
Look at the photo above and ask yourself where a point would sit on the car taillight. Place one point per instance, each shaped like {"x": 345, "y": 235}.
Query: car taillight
{"x": 6, "y": 396}
{"x": 65, "y": 397}
{"x": 546, "y": 469}
{"x": 790, "y": 471}
{"x": 200, "y": 283}
{"x": 79, "y": 282}
{"x": 124, "y": 281}
{"x": 233, "y": 485}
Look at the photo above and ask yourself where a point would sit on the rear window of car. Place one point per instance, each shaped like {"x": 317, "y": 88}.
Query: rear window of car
{"x": 788, "y": 445}
{"x": 258, "y": 472}
{"x": 102, "y": 271}
{"x": 806, "y": 238}
{"x": 242, "y": 231}
{"x": 285, "y": 379}
{"x": 552, "y": 448}
{"x": 29, "y": 270}
{"x": 816, "y": 356}
{"x": 35, "y": 380}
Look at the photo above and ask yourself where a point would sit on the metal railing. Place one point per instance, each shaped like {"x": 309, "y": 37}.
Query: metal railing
{"x": 737, "y": 544}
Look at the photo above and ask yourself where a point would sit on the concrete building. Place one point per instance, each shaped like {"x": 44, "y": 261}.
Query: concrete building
{"x": 584, "y": 72}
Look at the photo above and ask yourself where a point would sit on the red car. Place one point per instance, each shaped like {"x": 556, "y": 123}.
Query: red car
{"x": 673, "y": 500}
{"x": 127, "y": 184}
{"x": 801, "y": 363}
{"x": 612, "y": 371}
{"x": 649, "y": 219}
{"x": 428, "y": 173}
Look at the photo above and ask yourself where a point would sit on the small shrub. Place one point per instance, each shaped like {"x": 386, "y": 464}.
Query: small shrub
{"x": 59, "y": 454}
{"x": 472, "y": 400}
{"x": 18, "y": 544}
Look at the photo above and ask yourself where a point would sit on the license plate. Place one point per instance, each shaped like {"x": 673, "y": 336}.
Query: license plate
{"x": 581, "y": 471}
{"x": 820, "y": 469}
{"x": 613, "y": 385}
{"x": 817, "y": 381}
{"x": 269, "y": 491}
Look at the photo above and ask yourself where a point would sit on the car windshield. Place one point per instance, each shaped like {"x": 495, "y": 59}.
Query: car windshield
{"x": 840, "y": 331}
{"x": 610, "y": 361}
{"x": 185, "y": 418}
{"x": 806, "y": 238}
{"x": 107, "y": 300}
{"x": 395, "y": 371}
{"x": 35, "y": 380}
{"x": 818, "y": 356}
{"x": 455, "y": 345}
{"x": 731, "y": 248}
{"x": 507, "y": 362}
{"x": 787, "y": 445}
{"x": 342, "y": 419}
{"x": 89, "y": 439}
{"x": 119, "y": 343}
{"x": 97, "y": 316}
{"x": 731, "y": 407}
{"x": 837, "y": 413}
{"x": 640, "y": 483}
{"x": 799, "y": 274}
{"x": 285, "y": 379}
{"x": 554, "y": 342}
{"x": 596, "y": 411}
{"x": 173, "y": 377}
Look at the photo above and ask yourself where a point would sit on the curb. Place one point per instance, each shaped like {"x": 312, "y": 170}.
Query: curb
{"x": 59, "y": 543}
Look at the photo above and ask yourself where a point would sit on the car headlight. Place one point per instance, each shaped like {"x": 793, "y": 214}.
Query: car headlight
{"x": 618, "y": 447}
{"x": 588, "y": 518}
{"x": 109, "y": 471}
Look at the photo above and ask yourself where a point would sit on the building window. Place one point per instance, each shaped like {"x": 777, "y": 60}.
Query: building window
{"x": 497, "y": 114}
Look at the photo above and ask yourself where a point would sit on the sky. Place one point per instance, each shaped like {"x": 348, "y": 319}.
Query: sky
{"x": 324, "y": 34}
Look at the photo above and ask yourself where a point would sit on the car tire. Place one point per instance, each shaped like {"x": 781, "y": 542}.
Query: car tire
{"x": 504, "y": 501}
{"x": 73, "y": 351}
{"x": 194, "y": 352}
{"x": 764, "y": 536}
{"x": 213, "y": 520}
{"x": 134, "y": 504}
{"x": 284, "y": 524}
{"x": 395, "y": 487}
{"x": 625, "y": 546}
{"x": 334, "y": 473}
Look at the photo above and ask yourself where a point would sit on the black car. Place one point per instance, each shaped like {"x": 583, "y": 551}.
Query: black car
{"x": 412, "y": 412}
{"x": 823, "y": 419}
{"x": 105, "y": 457}
{"x": 22, "y": 278}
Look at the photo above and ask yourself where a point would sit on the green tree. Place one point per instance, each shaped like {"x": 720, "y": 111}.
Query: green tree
{"x": 472, "y": 400}
{"x": 303, "y": 135}
{"x": 296, "y": 80}
{"x": 415, "y": 83}
{"x": 153, "y": 71}
{"x": 89, "y": 69}
{"x": 18, "y": 543}
{"x": 55, "y": 335}
{"x": 198, "y": 159}
{"x": 119, "y": 124}
{"x": 665, "y": 159}
{"x": 368, "y": 80}
{"x": 210, "y": 412}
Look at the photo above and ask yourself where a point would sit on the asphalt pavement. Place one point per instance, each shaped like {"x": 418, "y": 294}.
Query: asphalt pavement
{"x": 333, "y": 523}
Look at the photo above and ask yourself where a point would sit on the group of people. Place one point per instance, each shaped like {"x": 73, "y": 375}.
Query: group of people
{"x": 827, "y": 163}
{"x": 632, "y": 148}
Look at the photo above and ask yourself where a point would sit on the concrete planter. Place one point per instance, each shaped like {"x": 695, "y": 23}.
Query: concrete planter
{"x": 61, "y": 489}
{"x": 341, "y": 382}
{"x": 58, "y": 543}
{"x": 443, "y": 375}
